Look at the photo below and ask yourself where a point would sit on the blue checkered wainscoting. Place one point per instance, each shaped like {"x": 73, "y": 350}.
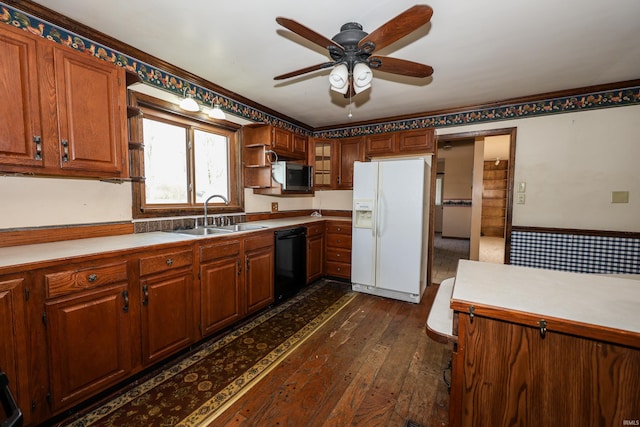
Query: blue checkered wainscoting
{"x": 575, "y": 252}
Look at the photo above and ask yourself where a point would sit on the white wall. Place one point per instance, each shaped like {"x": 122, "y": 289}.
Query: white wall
{"x": 571, "y": 163}
{"x": 33, "y": 202}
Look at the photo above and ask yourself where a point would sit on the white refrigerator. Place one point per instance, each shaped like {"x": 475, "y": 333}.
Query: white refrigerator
{"x": 390, "y": 227}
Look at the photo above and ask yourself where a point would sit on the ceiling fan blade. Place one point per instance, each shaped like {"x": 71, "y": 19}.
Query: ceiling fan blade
{"x": 398, "y": 27}
{"x": 304, "y": 70}
{"x": 401, "y": 66}
{"x": 307, "y": 33}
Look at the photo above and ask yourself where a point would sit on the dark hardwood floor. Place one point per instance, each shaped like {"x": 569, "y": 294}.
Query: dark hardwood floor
{"x": 370, "y": 365}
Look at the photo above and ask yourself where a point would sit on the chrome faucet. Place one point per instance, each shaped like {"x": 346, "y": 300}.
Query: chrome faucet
{"x": 206, "y": 206}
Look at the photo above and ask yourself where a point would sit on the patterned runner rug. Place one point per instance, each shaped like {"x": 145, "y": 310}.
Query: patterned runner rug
{"x": 197, "y": 388}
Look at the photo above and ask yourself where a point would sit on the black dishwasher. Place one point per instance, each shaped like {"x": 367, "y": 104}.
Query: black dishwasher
{"x": 291, "y": 262}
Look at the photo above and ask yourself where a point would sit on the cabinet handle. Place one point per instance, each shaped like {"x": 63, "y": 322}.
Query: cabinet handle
{"x": 65, "y": 150}
{"x": 239, "y": 267}
{"x": 38, "y": 141}
{"x": 125, "y": 295}
{"x": 339, "y": 241}
{"x": 248, "y": 263}
{"x": 92, "y": 277}
{"x": 145, "y": 291}
{"x": 170, "y": 261}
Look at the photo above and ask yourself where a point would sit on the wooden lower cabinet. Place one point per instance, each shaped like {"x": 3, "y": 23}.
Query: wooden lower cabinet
{"x": 315, "y": 252}
{"x": 220, "y": 291}
{"x": 88, "y": 328}
{"x": 338, "y": 253}
{"x": 259, "y": 264}
{"x": 13, "y": 336}
{"x": 167, "y": 319}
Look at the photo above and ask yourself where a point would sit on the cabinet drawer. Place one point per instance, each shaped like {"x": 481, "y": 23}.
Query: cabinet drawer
{"x": 339, "y": 241}
{"x": 81, "y": 279}
{"x": 315, "y": 229}
{"x": 339, "y": 228}
{"x": 262, "y": 241}
{"x": 339, "y": 269}
{"x": 166, "y": 261}
{"x": 220, "y": 250}
{"x": 339, "y": 255}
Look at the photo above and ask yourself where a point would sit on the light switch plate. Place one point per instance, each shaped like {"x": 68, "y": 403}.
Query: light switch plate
{"x": 619, "y": 197}
{"x": 522, "y": 187}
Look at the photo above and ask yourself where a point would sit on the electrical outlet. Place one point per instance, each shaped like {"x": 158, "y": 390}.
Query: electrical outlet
{"x": 274, "y": 206}
{"x": 521, "y": 199}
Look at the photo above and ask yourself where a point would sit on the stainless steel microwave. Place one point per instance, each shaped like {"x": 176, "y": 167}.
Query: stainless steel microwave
{"x": 293, "y": 176}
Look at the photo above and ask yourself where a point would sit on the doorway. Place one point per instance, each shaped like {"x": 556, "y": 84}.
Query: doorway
{"x": 478, "y": 203}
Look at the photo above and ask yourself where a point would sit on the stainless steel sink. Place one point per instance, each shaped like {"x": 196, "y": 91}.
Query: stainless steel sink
{"x": 208, "y": 231}
{"x": 238, "y": 227}
{"x": 218, "y": 229}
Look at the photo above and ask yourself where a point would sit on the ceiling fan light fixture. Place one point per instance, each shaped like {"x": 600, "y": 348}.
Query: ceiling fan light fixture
{"x": 362, "y": 77}
{"x": 217, "y": 113}
{"x": 339, "y": 78}
{"x": 188, "y": 103}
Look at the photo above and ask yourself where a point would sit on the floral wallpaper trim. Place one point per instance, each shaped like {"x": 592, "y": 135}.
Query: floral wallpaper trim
{"x": 168, "y": 82}
{"x": 595, "y": 100}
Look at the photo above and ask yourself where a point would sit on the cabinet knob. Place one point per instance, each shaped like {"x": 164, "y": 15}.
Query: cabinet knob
{"x": 92, "y": 277}
{"x": 170, "y": 261}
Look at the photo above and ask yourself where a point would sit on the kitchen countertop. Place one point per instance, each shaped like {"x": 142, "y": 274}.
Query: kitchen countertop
{"x": 603, "y": 301}
{"x": 25, "y": 255}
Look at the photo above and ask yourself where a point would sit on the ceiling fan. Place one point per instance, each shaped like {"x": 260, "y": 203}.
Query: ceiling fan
{"x": 351, "y": 51}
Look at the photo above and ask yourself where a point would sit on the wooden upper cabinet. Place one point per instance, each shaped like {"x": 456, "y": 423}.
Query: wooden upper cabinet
{"x": 21, "y": 133}
{"x": 420, "y": 140}
{"x": 351, "y": 150}
{"x": 91, "y": 99}
{"x": 399, "y": 143}
{"x": 286, "y": 144}
{"x": 65, "y": 110}
{"x": 322, "y": 156}
{"x": 380, "y": 144}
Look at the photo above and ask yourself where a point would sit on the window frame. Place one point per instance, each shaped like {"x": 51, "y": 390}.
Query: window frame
{"x": 167, "y": 112}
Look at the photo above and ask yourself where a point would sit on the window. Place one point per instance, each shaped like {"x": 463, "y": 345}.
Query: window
{"x": 185, "y": 161}
{"x": 439, "y": 183}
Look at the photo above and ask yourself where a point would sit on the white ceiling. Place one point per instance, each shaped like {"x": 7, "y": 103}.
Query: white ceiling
{"x": 481, "y": 51}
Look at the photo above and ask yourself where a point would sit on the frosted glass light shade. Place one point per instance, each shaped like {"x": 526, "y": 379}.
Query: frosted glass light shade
{"x": 339, "y": 79}
{"x": 362, "y": 76}
{"x": 189, "y": 104}
{"x": 217, "y": 113}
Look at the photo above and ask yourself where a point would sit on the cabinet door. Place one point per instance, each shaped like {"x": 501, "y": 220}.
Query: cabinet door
{"x": 299, "y": 145}
{"x": 315, "y": 257}
{"x": 378, "y": 145}
{"x": 13, "y": 351}
{"x": 91, "y": 114}
{"x": 281, "y": 140}
{"x": 323, "y": 158}
{"x": 259, "y": 274}
{"x": 88, "y": 336}
{"x": 21, "y": 141}
{"x": 167, "y": 321}
{"x": 420, "y": 140}
{"x": 220, "y": 294}
{"x": 351, "y": 150}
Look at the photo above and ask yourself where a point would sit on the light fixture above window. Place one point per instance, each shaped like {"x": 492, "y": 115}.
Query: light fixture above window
{"x": 217, "y": 113}
{"x": 188, "y": 103}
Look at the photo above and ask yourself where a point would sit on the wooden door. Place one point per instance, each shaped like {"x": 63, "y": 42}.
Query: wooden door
{"x": 167, "y": 315}
{"x": 21, "y": 133}
{"x": 382, "y": 144}
{"x": 299, "y": 145}
{"x": 91, "y": 99}
{"x": 259, "y": 271}
{"x": 420, "y": 140}
{"x": 88, "y": 337}
{"x": 13, "y": 351}
{"x": 351, "y": 150}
